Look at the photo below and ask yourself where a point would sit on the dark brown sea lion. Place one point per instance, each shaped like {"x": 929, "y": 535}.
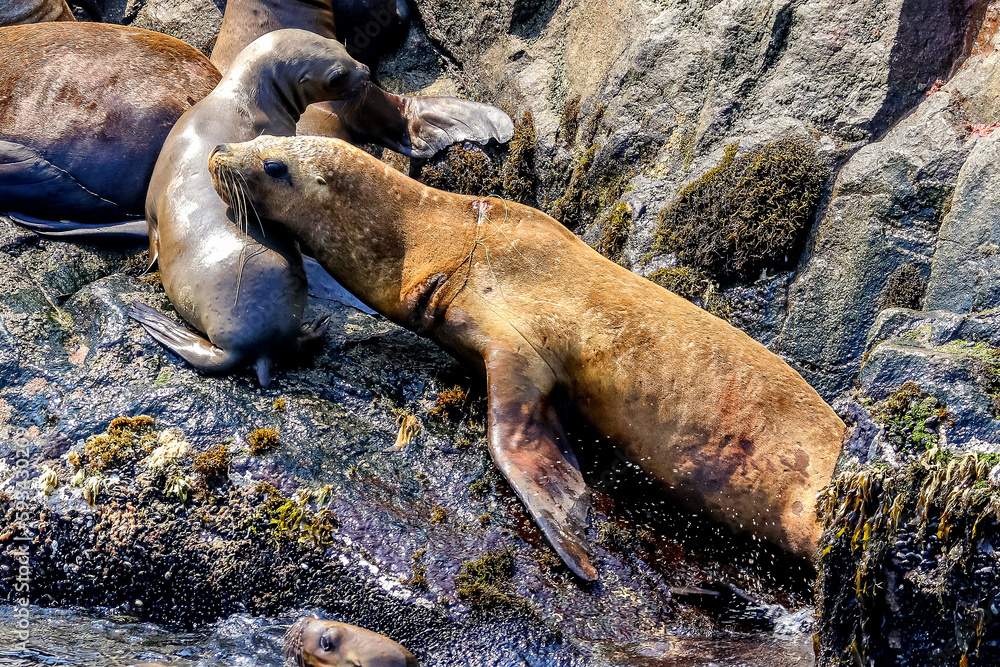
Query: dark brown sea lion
{"x": 22, "y": 12}
{"x": 312, "y": 642}
{"x": 84, "y": 110}
{"x": 723, "y": 423}
{"x": 244, "y": 290}
{"x": 414, "y": 126}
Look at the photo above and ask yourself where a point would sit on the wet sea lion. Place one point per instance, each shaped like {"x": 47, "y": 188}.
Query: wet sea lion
{"x": 244, "y": 290}
{"x": 414, "y": 126}
{"x": 314, "y": 642}
{"x": 725, "y": 425}
{"x": 86, "y": 108}
{"x": 21, "y": 12}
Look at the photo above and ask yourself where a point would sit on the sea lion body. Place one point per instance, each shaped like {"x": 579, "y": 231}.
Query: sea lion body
{"x": 245, "y": 290}
{"x": 725, "y": 425}
{"x": 87, "y": 109}
{"x": 312, "y": 642}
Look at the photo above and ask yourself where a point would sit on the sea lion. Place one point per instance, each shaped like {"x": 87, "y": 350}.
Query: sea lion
{"x": 726, "y": 426}
{"x": 84, "y": 110}
{"x": 245, "y": 290}
{"x": 314, "y": 642}
{"x": 414, "y": 126}
{"x": 21, "y": 12}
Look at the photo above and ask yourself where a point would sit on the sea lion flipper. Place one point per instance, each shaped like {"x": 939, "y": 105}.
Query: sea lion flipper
{"x": 192, "y": 348}
{"x": 528, "y": 444}
{"x": 418, "y": 127}
{"x": 438, "y": 122}
{"x": 30, "y": 182}
{"x": 125, "y": 230}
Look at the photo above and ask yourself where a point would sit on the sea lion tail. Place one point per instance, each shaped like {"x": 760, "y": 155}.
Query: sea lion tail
{"x": 194, "y": 349}
{"x": 65, "y": 230}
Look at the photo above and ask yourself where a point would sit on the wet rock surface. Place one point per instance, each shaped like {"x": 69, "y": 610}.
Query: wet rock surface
{"x": 213, "y": 497}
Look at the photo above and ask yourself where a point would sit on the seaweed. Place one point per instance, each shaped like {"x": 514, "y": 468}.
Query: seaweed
{"x": 905, "y": 288}
{"x": 486, "y": 581}
{"x": 125, "y": 440}
{"x": 263, "y": 440}
{"x": 748, "y": 214}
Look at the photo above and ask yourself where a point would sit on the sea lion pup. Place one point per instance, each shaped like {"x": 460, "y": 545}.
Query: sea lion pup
{"x": 87, "y": 108}
{"x": 245, "y": 290}
{"x": 414, "y": 126}
{"x": 723, "y": 423}
{"x": 21, "y": 12}
{"x": 314, "y": 642}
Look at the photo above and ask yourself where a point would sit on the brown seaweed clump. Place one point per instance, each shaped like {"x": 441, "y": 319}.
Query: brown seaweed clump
{"x": 749, "y": 213}
{"x": 486, "y": 581}
{"x": 905, "y": 288}
{"x": 263, "y": 440}
{"x": 212, "y": 467}
{"x": 695, "y": 286}
{"x": 907, "y": 563}
{"x": 125, "y": 440}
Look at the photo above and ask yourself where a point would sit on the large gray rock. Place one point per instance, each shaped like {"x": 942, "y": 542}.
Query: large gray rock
{"x": 884, "y": 212}
{"x": 965, "y": 276}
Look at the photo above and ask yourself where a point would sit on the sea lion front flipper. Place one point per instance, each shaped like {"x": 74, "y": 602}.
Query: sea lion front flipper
{"x": 528, "y": 444}
{"x": 126, "y": 230}
{"x": 194, "y": 349}
{"x": 415, "y": 126}
{"x": 29, "y": 182}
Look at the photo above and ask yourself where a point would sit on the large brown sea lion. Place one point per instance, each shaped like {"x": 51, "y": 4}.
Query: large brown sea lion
{"x": 414, "y": 126}
{"x": 21, "y": 12}
{"x": 85, "y": 109}
{"x": 244, "y": 290}
{"x": 312, "y": 642}
{"x": 723, "y": 423}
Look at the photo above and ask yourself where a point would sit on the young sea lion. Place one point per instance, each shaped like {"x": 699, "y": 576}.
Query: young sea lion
{"x": 413, "y": 126}
{"x": 245, "y": 290}
{"x": 87, "y": 108}
{"x": 317, "y": 643}
{"x": 723, "y": 423}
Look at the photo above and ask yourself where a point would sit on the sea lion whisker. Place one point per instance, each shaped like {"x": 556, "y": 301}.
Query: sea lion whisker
{"x": 245, "y": 187}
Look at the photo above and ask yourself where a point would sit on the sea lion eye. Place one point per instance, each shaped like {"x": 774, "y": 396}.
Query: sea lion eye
{"x": 336, "y": 74}
{"x": 325, "y": 643}
{"x": 275, "y": 169}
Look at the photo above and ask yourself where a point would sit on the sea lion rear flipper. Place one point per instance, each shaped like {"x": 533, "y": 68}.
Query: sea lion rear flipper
{"x": 126, "y": 230}
{"x": 194, "y": 349}
{"x": 529, "y": 446}
{"x": 415, "y": 126}
{"x": 29, "y": 182}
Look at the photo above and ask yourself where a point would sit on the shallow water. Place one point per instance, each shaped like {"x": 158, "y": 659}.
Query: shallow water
{"x": 71, "y": 637}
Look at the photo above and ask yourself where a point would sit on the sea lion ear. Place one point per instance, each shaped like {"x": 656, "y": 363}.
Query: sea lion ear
{"x": 528, "y": 444}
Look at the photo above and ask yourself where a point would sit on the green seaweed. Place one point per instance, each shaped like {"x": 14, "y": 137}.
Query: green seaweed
{"x": 749, "y": 213}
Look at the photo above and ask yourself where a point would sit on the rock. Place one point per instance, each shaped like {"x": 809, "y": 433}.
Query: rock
{"x": 196, "y": 22}
{"x": 965, "y": 276}
{"x": 884, "y": 213}
{"x": 329, "y": 518}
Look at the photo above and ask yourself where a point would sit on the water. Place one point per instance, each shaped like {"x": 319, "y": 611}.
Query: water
{"x": 75, "y": 637}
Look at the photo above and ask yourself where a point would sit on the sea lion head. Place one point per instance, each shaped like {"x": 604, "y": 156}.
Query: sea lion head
{"x": 312, "y": 642}
{"x": 302, "y": 66}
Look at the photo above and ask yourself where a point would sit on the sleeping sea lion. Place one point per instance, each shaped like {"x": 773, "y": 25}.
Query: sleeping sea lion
{"x": 312, "y": 642}
{"x": 21, "y": 12}
{"x": 245, "y": 290}
{"x": 413, "y": 126}
{"x": 725, "y": 425}
{"x": 86, "y": 109}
